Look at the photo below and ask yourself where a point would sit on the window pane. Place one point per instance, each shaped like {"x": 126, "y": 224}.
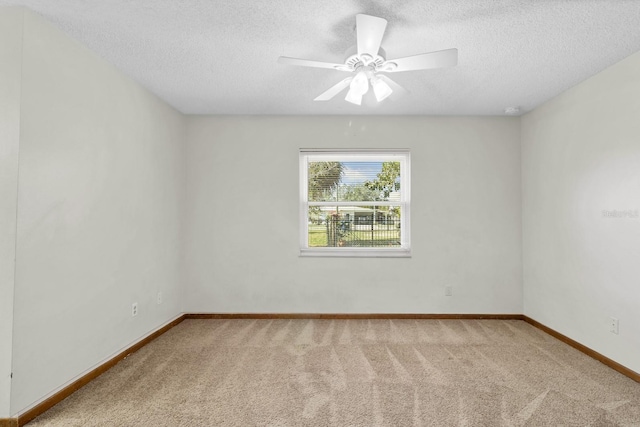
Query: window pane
{"x": 353, "y": 181}
{"x": 354, "y": 226}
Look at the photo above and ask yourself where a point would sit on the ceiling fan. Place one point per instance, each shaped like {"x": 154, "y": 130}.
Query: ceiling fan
{"x": 367, "y": 62}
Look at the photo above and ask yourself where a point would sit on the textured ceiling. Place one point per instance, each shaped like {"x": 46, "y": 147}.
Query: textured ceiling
{"x": 219, "y": 56}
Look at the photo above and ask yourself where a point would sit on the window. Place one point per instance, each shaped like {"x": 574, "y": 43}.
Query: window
{"x": 354, "y": 203}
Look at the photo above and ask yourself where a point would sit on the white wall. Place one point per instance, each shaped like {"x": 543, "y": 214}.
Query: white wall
{"x": 10, "y": 71}
{"x": 242, "y": 217}
{"x": 101, "y": 186}
{"x": 581, "y": 156}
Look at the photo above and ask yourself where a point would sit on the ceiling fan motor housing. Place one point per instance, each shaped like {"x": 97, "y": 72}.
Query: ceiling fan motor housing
{"x": 353, "y": 61}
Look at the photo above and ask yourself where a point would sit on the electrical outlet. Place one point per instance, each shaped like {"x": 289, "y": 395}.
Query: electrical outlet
{"x": 613, "y": 325}
{"x": 134, "y": 309}
{"x": 448, "y": 290}
{"x": 159, "y": 298}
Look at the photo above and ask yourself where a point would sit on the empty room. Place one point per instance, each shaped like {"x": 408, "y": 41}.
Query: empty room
{"x": 338, "y": 213}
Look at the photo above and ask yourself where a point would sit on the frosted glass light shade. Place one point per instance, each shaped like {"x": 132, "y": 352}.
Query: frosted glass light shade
{"x": 358, "y": 87}
{"x": 360, "y": 83}
{"x": 381, "y": 89}
{"x": 353, "y": 97}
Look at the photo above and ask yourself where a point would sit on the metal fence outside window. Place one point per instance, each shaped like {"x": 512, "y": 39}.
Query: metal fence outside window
{"x": 362, "y": 231}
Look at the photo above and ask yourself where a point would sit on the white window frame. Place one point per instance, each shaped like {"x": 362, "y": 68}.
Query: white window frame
{"x": 328, "y": 155}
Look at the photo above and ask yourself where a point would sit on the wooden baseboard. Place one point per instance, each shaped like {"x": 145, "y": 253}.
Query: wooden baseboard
{"x": 8, "y": 422}
{"x": 85, "y": 379}
{"x": 351, "y": 316}
{"x": 584, "y": 349}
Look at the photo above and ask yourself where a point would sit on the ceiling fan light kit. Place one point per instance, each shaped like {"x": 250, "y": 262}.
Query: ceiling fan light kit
{"x": 369, "y": 62}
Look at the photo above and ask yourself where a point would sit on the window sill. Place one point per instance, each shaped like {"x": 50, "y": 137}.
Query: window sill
{"x": 356, "y": 253}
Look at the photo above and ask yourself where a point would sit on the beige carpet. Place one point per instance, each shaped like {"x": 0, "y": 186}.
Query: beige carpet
{"x": 353, "y": 373}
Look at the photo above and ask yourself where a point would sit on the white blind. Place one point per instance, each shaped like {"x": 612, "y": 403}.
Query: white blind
{"x": 353, "y": 181}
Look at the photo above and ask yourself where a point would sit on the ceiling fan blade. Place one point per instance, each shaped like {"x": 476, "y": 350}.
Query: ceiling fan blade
{"x": 370, "y": 30}
{"x": 424, "y": 61}
{"x": 334, "y": 90}
{"x": 393, "y": 85}
{"x": 308, "y": 63}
